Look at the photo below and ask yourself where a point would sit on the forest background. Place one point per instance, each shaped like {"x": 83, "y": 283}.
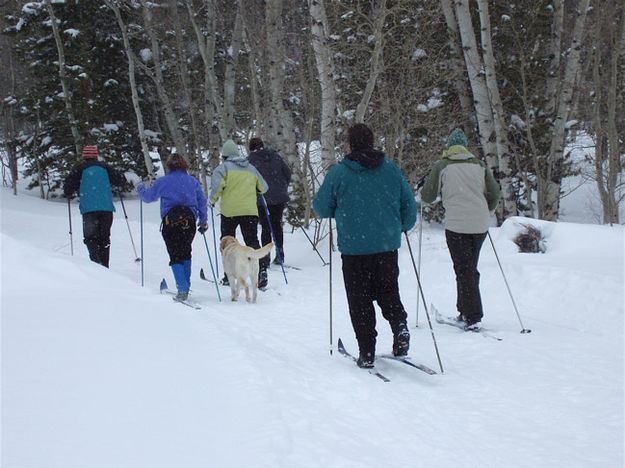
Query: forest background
{"x": 525, "y": 79}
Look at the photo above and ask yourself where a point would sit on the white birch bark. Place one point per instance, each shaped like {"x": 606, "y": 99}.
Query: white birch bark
{"x": 156, "y": 75}
{"x": 212, "y": 99}
{"x": 499, "y": 120}
{"x": 232, "y": 59}
{"x": 325, "y": 68}
{"x": 379, "y": 13}
{"x": 67, "y": 95}
{"x": 549, "y": 199}
{"x": 281, "y": 119}
{"x": 481, "y": 100}
{"x": 457, "y": 62}
{"x": 555, "y": 50}
{"x": 133, "y": 89}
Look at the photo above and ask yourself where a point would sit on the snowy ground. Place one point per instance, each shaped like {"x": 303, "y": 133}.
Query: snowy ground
{"x": 100, "y": 372}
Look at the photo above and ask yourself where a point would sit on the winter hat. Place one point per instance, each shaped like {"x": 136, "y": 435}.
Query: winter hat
{"x": 90, "y": 152}
{"x": 457, "y": 137}
{"x": 230, "y": 149}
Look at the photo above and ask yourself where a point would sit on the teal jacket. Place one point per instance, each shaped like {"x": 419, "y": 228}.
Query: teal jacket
{"x": 371, "y": 201}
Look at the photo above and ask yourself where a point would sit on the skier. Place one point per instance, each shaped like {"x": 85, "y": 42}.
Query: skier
{"x": 237, "y": 182}
{"x": 372, "y": 203}
{"x": 92, "y": 180}
{"x": 278, "y": 176}
{"x": 182, "y": 203}
{"x": 469, "y": 193}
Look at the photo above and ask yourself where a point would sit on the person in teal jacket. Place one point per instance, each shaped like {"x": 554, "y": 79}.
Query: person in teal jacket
{"x": 372, "y": 204}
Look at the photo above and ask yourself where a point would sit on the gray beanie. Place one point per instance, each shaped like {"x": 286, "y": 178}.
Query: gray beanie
{"x": 230, "y": 149}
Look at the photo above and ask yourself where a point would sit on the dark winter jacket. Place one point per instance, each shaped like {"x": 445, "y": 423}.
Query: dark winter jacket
{"x": 93, "y": 180}
{"x": 275, "y": 172}
{"x": 177, "y": 188}
{"x": 467, "y": 188}
{"x": 371, "y": 201}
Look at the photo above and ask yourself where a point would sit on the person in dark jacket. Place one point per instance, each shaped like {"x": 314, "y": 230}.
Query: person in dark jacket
{"x": 92, "y": 180}
{"x": 373, "y": 204}
{"x": 469, "y": 193}
{"x": 182, "y": 203}
{"x": 278, "y": 176}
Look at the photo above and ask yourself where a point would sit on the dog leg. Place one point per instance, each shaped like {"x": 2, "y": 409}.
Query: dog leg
{"x": 247, "y": 289}
{"x": 255, "y": 287}
{"x": 234, "y": 289}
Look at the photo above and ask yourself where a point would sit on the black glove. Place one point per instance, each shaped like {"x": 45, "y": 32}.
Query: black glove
{"x": 202, "y": 228}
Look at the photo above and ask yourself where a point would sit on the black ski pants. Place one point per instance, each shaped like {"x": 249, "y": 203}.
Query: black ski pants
{"x": 96, "y": 231}
{"x": 275, "y": 217}
{"x": 249, "y": 229}
{"x": 371, "y": 278}
{"x": 178, "y": 231}
{"x": 465, "y": 254}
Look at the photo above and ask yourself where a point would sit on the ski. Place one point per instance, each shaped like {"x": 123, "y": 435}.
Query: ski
{"x": 203, "y": 276}
{"x": 188, "y": 303}
{"x": 408, "y": 362}
{"x": 451, "y": 321}
{"x": 273, "y": 266}
{"x": 345, "y": 353}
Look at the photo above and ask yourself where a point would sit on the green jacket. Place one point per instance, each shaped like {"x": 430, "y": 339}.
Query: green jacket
{"x": 467, "y": 188}
{"x": 236, "y": 181}
{"x": 372, "y": 203}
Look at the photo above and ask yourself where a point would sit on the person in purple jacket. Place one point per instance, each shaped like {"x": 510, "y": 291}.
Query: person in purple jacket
{"x": 182, "y": 203}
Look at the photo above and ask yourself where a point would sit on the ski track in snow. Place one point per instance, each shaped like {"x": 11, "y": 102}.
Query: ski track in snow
{"x": 99, "y": 372}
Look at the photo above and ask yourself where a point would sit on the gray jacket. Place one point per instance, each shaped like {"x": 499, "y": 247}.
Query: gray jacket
{"x": 468, "y": 190}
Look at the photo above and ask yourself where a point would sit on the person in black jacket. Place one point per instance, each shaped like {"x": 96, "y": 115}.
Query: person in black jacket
{"x": 278, "y": 176}
{"x": 93, "y": 180}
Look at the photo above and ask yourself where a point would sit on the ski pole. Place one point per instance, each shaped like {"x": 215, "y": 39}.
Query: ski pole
{"x": 214, "y": 239}
{"x": 425, "y": 307}
{"x": 141, "y": 224}
{"x": 330, "y": 279}
{"x": 313, "y": 245}
{"x": 273, "y": 236}
{"x": 134, "y": 249}
{"x": 523, "y": 329}
{"x": 71, "y": 238}
{"x": 210, "y": 260}
{"x": 419, "y": 253}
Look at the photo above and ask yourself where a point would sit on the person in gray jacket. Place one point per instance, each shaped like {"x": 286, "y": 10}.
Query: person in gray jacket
{"x": 469, "y": 194}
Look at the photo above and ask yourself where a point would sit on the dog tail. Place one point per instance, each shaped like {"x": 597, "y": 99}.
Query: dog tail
{"x": 262, "y": 252}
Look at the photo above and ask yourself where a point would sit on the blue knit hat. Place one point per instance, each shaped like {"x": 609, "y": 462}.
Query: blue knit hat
{"x": 457, "y": 137}
{"x": 230, "y": 149}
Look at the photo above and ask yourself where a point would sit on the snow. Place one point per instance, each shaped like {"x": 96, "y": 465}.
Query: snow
{"x": 146, "y": 54}
{"x": 98, "y": 371}
{"x": 419, "y": 54}
{"x": 72, "y": 32}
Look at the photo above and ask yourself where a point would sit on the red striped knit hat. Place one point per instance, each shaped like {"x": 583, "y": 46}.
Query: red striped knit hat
{"x": 90, "y": 152}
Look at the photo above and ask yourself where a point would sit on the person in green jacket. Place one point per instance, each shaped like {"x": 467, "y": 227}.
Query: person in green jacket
{"x": 373, "y": 204}
{"x": 237, "y": 182}
{"x": 469, "y": 193}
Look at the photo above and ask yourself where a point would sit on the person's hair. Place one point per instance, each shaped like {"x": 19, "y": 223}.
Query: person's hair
{"x": 360, "y": 137}
{"x": 177, "y": 161}
{"x": 256, "y": 144}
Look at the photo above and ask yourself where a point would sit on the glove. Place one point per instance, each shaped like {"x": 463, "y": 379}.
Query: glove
{"x": 202, "y": 228}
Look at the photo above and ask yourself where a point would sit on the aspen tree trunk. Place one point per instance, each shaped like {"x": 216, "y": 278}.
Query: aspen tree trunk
{"x": 157, "y": 77}
{"x": 501, "y": 128}
{"x": 195, "y": 158}
{"x": 481, "y": 99}
{"x": 256, "y": 99}
{"x": 212, "y": 99}
{"x": 457, "y": 64}
{"x": 281, "y": 118}
{"x": 133, "y": 89}
{"x": 549, "y": 199}
{"x": 232, "y": 59}
{"x": 325, "y": 68}
{"x": 9, "y": 119}
{"x": 611, "y": 212}
{"x": 379, "y": 13}
{"x": 67, "y": 96}
{"x": 555, "y": 48}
